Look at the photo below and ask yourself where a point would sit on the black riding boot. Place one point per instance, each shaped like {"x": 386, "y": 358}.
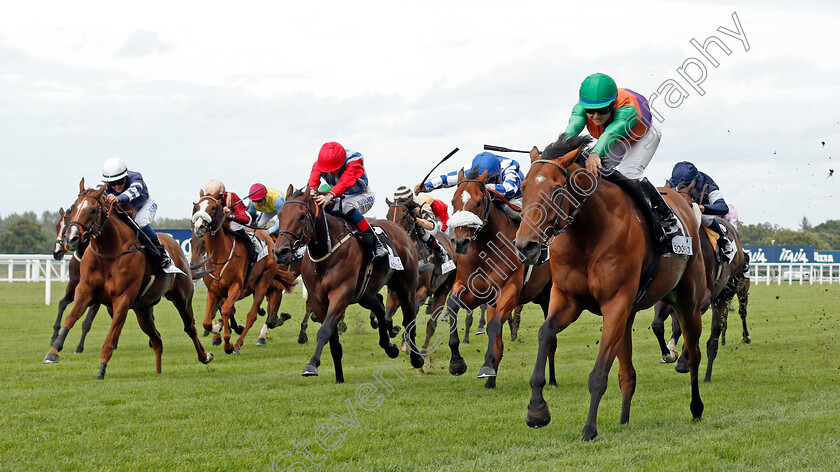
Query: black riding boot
{"x": 249, "y": 245}
{"x": 437, "y": 249}
{"x": 667, "y": 220}
{"x": 726, "y": 246}
{"x": 374, "y": 244}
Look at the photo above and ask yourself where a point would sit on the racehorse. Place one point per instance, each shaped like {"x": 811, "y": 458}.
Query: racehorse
{"x": 602, "y": 251}
{"x": 723, "y": 281}
{"x": 59, "y": 250}
{"x": 232, "y": 278}
{"x": 116, "y": 273}
{"x": 489, "y": 271}
{"x": 338, "y": 272}
{"x": 432, "y": 284}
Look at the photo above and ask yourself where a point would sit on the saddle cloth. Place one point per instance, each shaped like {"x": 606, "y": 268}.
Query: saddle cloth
{"x": 394, "y": 261}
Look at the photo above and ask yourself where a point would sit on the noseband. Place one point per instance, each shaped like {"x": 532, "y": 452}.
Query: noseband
{"x": 215, "y": 230}
{"x": 296, "y": 239}
{"x": 485, "y": 200}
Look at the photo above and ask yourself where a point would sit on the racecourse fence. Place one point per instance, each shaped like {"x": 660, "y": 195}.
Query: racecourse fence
{"x": 43, "y": 268}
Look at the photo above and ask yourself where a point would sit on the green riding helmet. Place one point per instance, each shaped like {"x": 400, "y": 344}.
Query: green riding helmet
{"x": 597, "y": 91}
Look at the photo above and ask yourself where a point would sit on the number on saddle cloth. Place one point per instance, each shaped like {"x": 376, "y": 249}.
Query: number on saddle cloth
{"x": 394, "y": 260}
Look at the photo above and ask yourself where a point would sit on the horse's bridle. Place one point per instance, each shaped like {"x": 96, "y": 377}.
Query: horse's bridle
{"x": 88, "y": 230}
{"x": 212, "y": 230}
{"x": 296, "y": 239}
{"x": 486, "y": 200}
{"x": 407, "y": 216}
{"x": 553, "y": 229}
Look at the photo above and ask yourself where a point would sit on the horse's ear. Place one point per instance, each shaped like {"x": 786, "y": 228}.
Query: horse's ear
{"x": 568, "y": 158}
{"x": 100, "y": 191}
{"x": 61, "y": 211}
{"x": 201, "y": 192}
{"x": 389, "y": 202}
{"x": 290, "y": 191}
{"x": 483, "y": 176}
{"x": 535, "y": 154}
{"x": 668, "y": 184}
{"x": 82, "y": 185}
{"x": 460, "y": 175}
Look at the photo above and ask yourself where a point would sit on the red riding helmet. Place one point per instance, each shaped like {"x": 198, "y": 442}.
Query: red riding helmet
{"x": 258, "y": 192}
{"x": 331, "y": 157}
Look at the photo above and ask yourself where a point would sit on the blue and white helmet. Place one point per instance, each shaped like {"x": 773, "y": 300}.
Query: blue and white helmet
{"x": 487, "y": 161}
{"x": 113, "y": 169}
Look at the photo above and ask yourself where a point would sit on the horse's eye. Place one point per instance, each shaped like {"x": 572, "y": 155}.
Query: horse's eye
{"x": 301, "y": 217}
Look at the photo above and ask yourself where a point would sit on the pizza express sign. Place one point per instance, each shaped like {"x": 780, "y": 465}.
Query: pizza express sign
{"x": 791, "y": 255}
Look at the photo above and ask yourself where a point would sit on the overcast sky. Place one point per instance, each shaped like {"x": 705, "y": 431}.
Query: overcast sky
{"x": 248, "y": 92}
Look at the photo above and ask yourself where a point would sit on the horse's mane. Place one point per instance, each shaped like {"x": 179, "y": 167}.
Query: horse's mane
{"x": 297, "y": 193}
{"x": 566, "y": 144}
{"x": 473, "y": 173}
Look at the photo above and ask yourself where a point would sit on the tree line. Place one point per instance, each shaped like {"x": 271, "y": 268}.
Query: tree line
{"x": 32, "y": 234}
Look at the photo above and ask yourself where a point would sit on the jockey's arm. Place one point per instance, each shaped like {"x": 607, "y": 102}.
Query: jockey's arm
{"x": 353, "y": 172}
{"x": 625, "y": 119}
{"x": 443, "y": 181}
{"x": 424, "y": 217}
{"x": 314, "y": 178}
{"x": 510, "y": 184}
{"x": 576, "y": 122}
{"x": 717, "y": 205}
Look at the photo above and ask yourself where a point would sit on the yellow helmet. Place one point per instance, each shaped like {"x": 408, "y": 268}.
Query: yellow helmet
{"x": 214, "y": 187}
{"x": 426, "y": 198}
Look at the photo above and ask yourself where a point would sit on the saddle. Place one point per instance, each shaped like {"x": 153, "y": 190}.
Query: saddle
{"x": 151, "y": 251}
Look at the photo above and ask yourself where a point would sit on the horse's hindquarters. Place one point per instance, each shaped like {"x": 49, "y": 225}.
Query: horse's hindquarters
{"x": 669, "y": 274}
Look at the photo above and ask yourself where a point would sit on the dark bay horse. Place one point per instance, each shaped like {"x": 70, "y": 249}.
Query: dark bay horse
{"x": 432, "y": 284}
{"x": 231, "y": 279}
{"x": 723, "y": 281}
{"x": 489, "y": 271}
{"x": 116, "y": 273}
{"x": 602, "y": 251}
{"x": 73, "y": 270}
{"x": 335, "y": 272}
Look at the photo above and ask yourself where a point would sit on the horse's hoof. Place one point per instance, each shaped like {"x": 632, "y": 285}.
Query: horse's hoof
{"x": 538, "y": 417}
{"x": 80, "y": 350}
{"x": 466, "y": 339}
{"x": 52, "y": 358}
{"x": 228, "y": 351}
{"x": 216, "y": 341}
{"x": 747, "y": 339}
{"x": 457, "y": 367}
{"x": 512, "y": 338}
{"x": 238, "y": 329}
{"x": 374, "y": 324}
{"x": 480, "y": 330}
{"x": 589, "y": 433}
{"x": 486, "y": 371}
{"x": 394, "y": 331}
{"x": 206, "y": 333}
{"x": 260, "y": 311}
{"x": 342, "y": 327}
{"x": 392, "y": 351}
{"x": 236, "y": 350}
{"x": 303, "y": 339}
{"x": 208, "y": 357}
{"x": 100, "y": 377}
{"x": 417, "y": 361}
{"x": 681, "y": 367}
{"x": 310, "y": 371}
{"x": 283, "y": 318}
{"x": 669, "y": 359}
{"x": 261, "y": 341}
{"x": 552, "y": 384}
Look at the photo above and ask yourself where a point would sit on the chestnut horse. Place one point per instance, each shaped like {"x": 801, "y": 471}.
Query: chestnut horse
{"x": 488, "y": 271}
{"x": 231, "y": 278}
{"x": 337, "y": 272}
{"x": 116, "y": 273}
{"x": 723, "y": 281}
{"x": 59, "y": 250}
{"x": 602, "y": 252}
{"x": 431, "y": 283}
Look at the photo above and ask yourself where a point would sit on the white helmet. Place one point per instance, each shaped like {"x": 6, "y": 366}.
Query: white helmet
{"x": 214, "y": 187}
{"x": 113, "y": 169}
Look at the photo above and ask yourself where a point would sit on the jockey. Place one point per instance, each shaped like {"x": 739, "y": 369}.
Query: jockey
{"x": 711, "y": 200}
{"x": 345, "y": 172}
{"x": 440, "y": 210}
{"x": 235, "y": 212}
{"x": 627, "y": 137}
{"x": 503, "y": 177}
{"x": 424, "y": 219}
{"x": 125, "y": 186}
{"x": 268, "y": 202}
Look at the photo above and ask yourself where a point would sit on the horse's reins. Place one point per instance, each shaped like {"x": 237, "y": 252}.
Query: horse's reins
{"x": 571, "y": 217}
{"x": 296, "y": 239}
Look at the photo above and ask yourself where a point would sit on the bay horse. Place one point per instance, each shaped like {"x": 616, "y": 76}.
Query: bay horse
{"x": 601, "y": 252}
{"x": 337, "y": 273}
{"x": 489, "y": 271}
{"x": 116, "y": 273}
{"x": 724, "y": 279}
{"x": 231, "y": 278}
{"x": 432, "y": 284}
{"x": 73, "y": 272}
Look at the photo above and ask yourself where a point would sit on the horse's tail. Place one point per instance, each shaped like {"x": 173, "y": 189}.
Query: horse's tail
{"x": 284, "y": 280}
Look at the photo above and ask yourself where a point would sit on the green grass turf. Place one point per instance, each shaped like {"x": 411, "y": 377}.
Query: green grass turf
{"x": 772, "y": 404}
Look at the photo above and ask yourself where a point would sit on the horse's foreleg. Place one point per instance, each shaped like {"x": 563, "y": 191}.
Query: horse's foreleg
{"x": 616, "y": 314}
{"x": 82, "y": 300}
{"x": 718, "y": 316}
{"x": 259, "y": 295}
{"x": 336, "y": 351}
{"x": 743, "y": 299}
{"x": 335, "y": 311}
{"x": 62, "y": 305}
{"x": 457, "y": 364}
{"x": 660, "y": 314}
{"x": 481, "y": 321}
{"x": 228, "y": 310}
{"x": 496, "y": 315}
{"x": 561, "y": 313}
{"x": 514, "y": 321}
{"x": 182, "y": 299}
{"x": 120, "y": 312}
{"x": 94, "y": 308}
{"x": 146, "y": 320}
{"x": 302, "y": 337}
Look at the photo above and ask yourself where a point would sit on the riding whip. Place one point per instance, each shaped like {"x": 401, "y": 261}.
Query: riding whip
{"x": 423, "y": 182}
{"x": 488, "y": 147}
